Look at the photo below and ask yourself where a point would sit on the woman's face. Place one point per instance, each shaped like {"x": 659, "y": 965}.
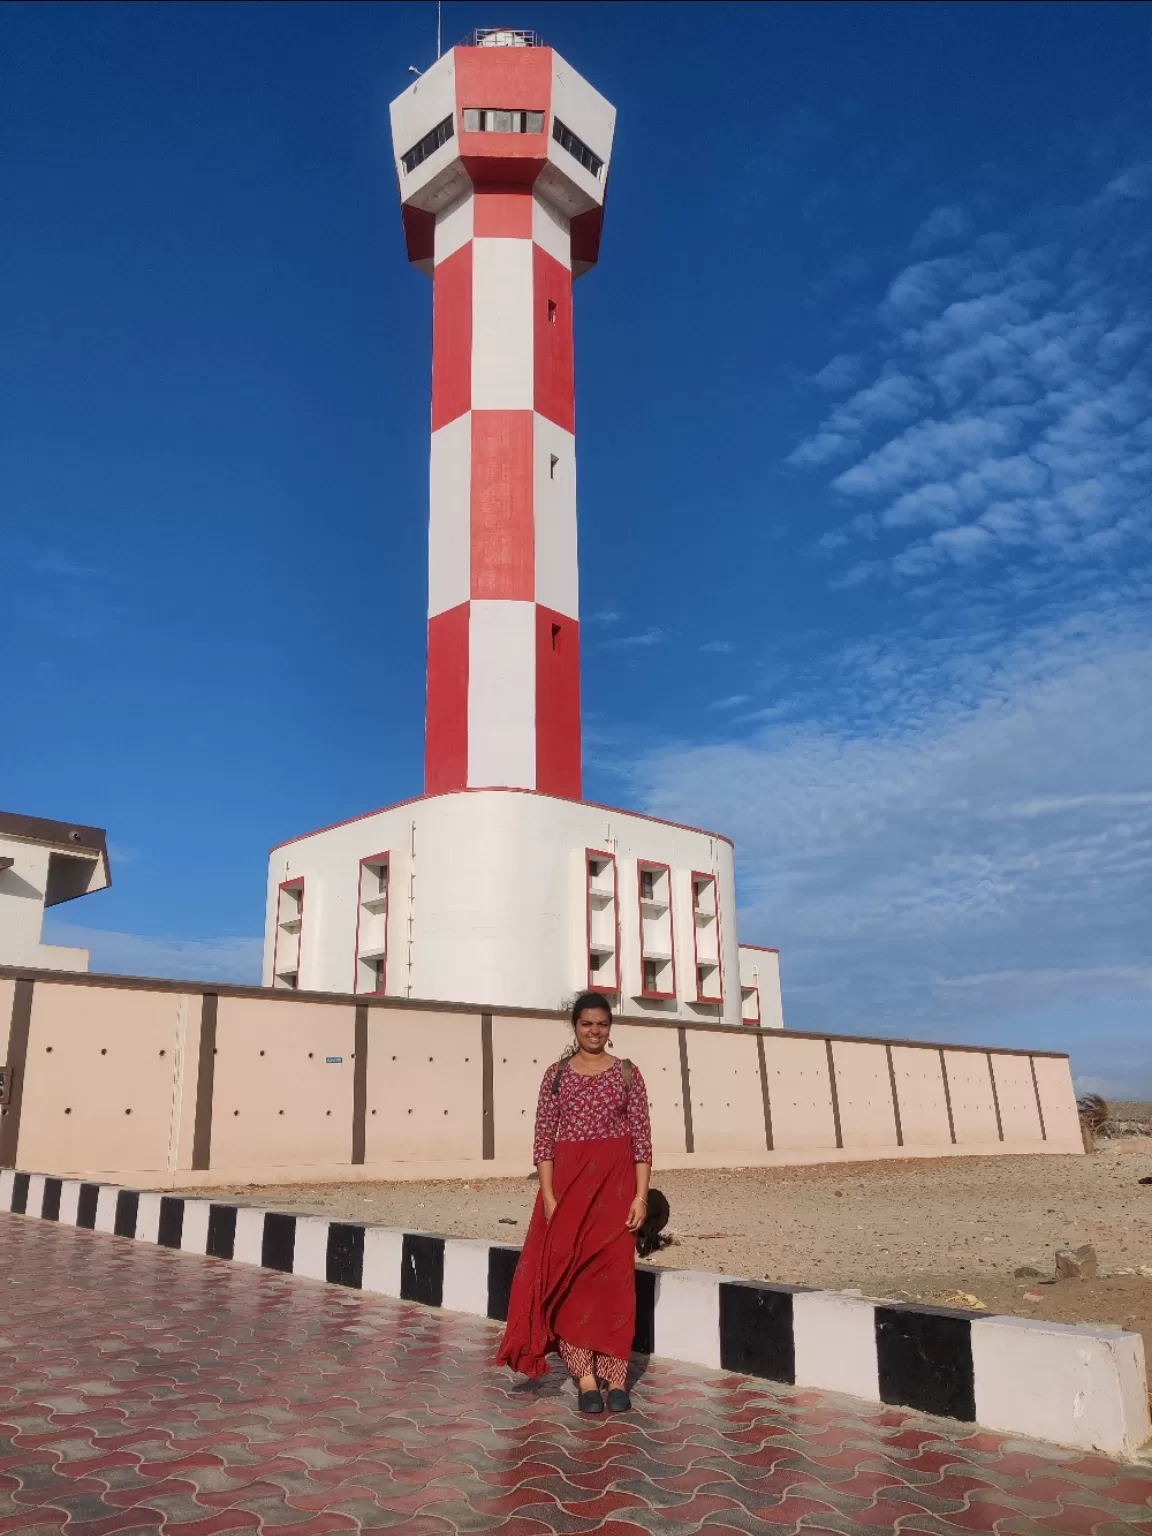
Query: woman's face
{"x": 593, "y": 1027}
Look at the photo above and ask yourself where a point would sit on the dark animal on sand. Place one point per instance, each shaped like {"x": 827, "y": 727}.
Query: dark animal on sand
{"x": 648, "y": 1237}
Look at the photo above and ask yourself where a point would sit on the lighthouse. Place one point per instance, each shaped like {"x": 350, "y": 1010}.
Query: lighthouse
{"x": 503, "y": 194}
{"x": 500, "y": 884}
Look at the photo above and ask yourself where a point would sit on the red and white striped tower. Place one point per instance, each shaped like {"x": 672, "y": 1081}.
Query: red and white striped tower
{"x": 502, "y": 155}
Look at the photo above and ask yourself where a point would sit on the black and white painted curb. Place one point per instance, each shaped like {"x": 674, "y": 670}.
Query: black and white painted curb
{"x": 1078, "y": 1386}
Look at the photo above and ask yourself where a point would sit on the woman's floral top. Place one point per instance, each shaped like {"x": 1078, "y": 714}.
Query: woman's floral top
{"x": 590, "y": 1109}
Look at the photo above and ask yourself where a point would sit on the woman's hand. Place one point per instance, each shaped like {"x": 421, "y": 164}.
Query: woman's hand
{"x": 636, "y": 1213}
{"x": 547, "y": 1193}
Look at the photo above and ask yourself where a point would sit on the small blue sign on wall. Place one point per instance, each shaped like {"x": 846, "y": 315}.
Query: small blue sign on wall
{"x": 333, "y": 1061}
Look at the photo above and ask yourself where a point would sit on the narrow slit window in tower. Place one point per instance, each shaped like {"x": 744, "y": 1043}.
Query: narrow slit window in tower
{"x": 551, "y": 311}
{"x": 553, "y": 462}
{"x": 556, "y": 637}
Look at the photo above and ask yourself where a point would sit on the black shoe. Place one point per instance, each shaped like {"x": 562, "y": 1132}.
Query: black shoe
{"x": 619, "y": 1401}
{"x": 592, "y": 1402}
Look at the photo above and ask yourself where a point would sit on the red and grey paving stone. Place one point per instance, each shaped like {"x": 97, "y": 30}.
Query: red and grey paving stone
{"x": 147, "y": 1390}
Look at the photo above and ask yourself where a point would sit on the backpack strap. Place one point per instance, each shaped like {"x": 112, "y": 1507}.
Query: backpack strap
{"x": 626, "y": 1070}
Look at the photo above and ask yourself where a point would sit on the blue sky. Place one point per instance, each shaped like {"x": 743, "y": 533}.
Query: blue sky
{"x": 864, "y": 447}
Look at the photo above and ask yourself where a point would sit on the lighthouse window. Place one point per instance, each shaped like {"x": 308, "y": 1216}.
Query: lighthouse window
{"x": 577, "y": 147}
{"x": 501, "y": 120}
{"x": 553, "y": 462}
{"x": 428, "y": 145}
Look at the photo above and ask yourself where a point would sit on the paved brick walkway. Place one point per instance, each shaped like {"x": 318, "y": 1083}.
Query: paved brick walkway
{"x": 146, "y": 1390}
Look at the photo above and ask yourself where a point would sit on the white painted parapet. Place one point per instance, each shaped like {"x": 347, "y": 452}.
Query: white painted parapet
{"x": 834, "y": 1336}
{"x": 1071, "y": 1383}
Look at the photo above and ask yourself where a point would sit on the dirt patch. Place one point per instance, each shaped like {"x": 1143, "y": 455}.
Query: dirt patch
{"x": 1130, "y": 1109}
{"x": 919, "y": 1230}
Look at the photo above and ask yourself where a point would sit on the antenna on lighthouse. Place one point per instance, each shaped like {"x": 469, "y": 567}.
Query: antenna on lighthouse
{"x": 439, "y": 11}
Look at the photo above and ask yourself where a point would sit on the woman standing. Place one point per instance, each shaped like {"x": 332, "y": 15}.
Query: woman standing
{"x": 575, "y": 1284}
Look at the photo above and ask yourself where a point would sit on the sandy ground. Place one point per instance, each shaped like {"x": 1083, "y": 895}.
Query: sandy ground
{"x": 925, "y": 1230}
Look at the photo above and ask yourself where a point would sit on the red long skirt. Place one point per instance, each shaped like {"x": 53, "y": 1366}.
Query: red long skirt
{"x": 576, "y": 1279}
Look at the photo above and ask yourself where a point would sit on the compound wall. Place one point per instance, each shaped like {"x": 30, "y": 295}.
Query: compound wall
{"x": 171, "y": 1084}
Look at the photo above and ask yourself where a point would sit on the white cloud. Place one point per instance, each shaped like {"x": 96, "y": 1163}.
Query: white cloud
{"x": 893, "y": 397}
{"x": 841, "y": 372}
{"x": 717, "y": 647}
{"x": 948, "y": 222}
{"x": 132, "y": 954}
{"x": 53, "y": 563}
{"x": 959, "y": 835}
{"x": 820, "y": 448}
{"x": 1035, "y": 351}
{"x": 929, "y": 450}
{"x": 1134, "y": 182}
{"x": 651, "y": 636}
{"x": 917, "y": 290}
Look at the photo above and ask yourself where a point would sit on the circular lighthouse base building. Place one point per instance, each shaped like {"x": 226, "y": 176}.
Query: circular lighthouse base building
{"x": 517, "y": 899}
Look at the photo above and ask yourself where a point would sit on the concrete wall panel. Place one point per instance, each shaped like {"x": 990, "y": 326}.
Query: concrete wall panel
{"x": 455, "y": 226}
{"x": 835, "y": 1341}
{"x": 283, "y": 1091}
{"x": 502, "y": 693}
{"x": 727, "y": 1102}
{"x": 425, "y": 1080}
{"x": 450, "y": 519}
{"x": 426, "y": 102}
{"x": 867, "y": 1118}
{"x": 550, "y": 231}
{"x": 1058, "y": 1101}
{"x": 590, "y": 116}
{"x": 1074, "y": 1385}
{"x": 502, "y": 336}
{"x": 100, "y": 1079}
{"x": 657, "y": 1053}
{"x": 799, "y": 1092}
{"x": 970, "y": 1087}
{"x": 686, "y": 1320}
{"x": 522, "y": 1049}
{"x": 7, "y": 993}
{"x": 284, "y": 1079}
{"x": 554, "y": 514}
{"x": 920, "y": 1092}
{"x": 1017, "y": 1097}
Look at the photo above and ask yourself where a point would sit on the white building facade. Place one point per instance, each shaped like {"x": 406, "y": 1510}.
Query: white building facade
{"x": 44, "y": 863}
{"x": 501, "y": 885}
{"x": 513, "y": 898}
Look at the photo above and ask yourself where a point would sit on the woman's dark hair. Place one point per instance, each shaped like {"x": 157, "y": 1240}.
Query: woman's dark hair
{"x": 588, "y": 1000}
